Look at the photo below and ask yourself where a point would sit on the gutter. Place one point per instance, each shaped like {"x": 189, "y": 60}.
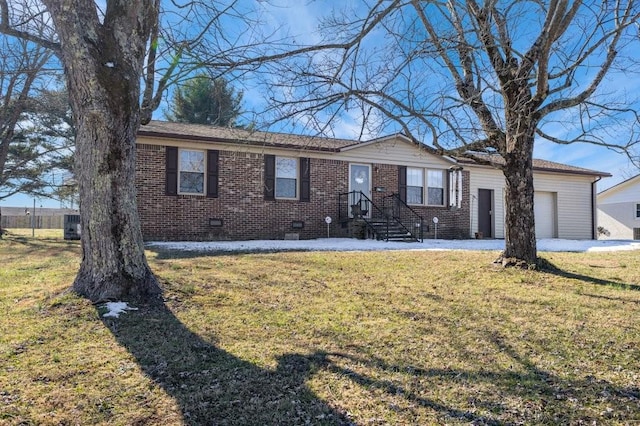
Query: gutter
{"x": 594, "y": 235}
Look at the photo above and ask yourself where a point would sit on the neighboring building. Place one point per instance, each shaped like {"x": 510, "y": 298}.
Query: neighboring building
{"x": 619, "y": 211}
{"x": 206, "y": 183}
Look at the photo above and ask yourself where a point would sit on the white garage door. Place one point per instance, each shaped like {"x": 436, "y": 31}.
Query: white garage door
{"x": 546, "y": 214}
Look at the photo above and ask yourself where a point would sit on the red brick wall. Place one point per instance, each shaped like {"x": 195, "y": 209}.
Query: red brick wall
{"x": 452, "y": 223}
{"x": 245, "y": 213}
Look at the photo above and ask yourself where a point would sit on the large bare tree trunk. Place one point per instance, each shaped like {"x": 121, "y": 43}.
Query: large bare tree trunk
{"x": 520, "y": 229}
{"x": 103, "y": 65}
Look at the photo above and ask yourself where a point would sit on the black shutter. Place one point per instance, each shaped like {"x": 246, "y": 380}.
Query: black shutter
{"x": 171, "y": 171}
{"x": 212, "y": 173}
{"x": 402, "y": 183}
{"x": 305, "y": 179}
{"x": 269, "y": 177}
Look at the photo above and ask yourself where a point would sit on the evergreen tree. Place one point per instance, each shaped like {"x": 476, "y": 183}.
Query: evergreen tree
{"x": 203, "y": 100}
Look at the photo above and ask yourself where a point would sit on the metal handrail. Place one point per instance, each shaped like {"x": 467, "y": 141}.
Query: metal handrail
{"x": 404, "y": 215}
{"x": 356, "y": 204}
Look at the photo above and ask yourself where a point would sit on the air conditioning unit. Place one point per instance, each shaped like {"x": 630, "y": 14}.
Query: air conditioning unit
{"x": 71, "y": 226}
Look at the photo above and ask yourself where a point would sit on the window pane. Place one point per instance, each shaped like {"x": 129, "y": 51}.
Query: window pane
{"x": 435, "y": 185}
{"x": 191, "y": 171}
{"x": 436, "y": 196}
{"x": 414, "y": 194}
{"x": 286, "y": 177}
{"x": 435, "y": 179}
{"x": 414, "y": 177}
{"x": 192, "y": 161}
{"x": 286, "y": 167}
{"x": 192, "y": 182}
{"x": 638, "y": 211}
{"x": 285, "y": 188}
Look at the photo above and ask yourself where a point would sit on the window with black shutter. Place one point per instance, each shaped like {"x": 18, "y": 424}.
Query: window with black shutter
{"x": 402, "y": 183}
{"x": 305, "y": 179}
{"x": 212, "y": 173}
{"x": 171, "y": 170}
{"x": 269, "y": 176}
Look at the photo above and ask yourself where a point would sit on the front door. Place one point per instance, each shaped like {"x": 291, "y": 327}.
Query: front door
{"x": 360, "y": 181}
{"x": 485, "y": 212}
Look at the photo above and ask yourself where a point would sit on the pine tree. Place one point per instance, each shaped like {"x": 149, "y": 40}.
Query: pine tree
{"x": 203, "y": 100}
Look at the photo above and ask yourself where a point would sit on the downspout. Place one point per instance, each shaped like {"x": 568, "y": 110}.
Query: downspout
{"x": 594, "y": 208}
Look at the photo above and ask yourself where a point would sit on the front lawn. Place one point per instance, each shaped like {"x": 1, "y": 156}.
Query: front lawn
{"x": 323, "y": 338}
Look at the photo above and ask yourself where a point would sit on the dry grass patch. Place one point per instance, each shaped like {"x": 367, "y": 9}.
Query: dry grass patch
{"x": 324, "y": 338}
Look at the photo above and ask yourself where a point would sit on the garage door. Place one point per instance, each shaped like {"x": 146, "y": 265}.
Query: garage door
{"x": 546, "y": 214}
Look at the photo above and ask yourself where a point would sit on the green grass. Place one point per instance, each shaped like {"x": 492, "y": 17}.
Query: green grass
{"x": 323, "y": 338}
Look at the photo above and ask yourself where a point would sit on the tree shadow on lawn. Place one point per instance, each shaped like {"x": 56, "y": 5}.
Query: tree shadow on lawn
{"x": 214, "y": 387}
{"x": 526, "y": 394}
{"x": 44, "y": 246}
{"x": 550, "y": 268}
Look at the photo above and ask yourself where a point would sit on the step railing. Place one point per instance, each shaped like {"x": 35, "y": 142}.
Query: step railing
{"x": 356, "y": 205}
{"x": 394, "y": 213}
{"x": 399, "y": 211}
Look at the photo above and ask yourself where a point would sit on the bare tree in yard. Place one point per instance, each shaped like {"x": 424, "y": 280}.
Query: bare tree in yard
{"x": 476, "y": 78}
{"x": 103, "y": 57}
{"x": 106, "y": 55}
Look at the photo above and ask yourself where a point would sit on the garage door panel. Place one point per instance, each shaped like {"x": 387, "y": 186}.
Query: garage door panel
{"x": 546, "y": 214}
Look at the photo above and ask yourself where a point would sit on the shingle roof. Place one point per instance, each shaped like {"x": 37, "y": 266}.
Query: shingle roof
{"x": 539, "y": 165}
{"x": 212, "y": 134}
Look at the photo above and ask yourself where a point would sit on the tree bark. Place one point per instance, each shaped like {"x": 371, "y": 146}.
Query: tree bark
{"x": 520, "y": 228}
{"x": 103, "y": 65}
{"x": 520, "y": 232}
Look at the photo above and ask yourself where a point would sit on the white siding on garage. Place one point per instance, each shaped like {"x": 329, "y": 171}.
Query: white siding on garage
{"x": 487, "y": 178}
{"x": 573, "y": 200}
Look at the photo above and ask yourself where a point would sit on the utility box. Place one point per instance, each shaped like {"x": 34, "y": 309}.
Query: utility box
{"x": 71, "y": 226}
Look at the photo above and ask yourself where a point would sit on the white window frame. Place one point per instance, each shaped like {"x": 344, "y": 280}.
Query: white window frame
{"x": 203, "y": 172}
{"x": 296, "y": 178}
{"x": 443, "y": 187}
{"x": 422, "y": 186}
{"x": 636, "y": 210}
{"x": 425, "y": 186}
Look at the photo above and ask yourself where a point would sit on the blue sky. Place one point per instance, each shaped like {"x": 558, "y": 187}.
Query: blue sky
{"x": 300, "y": 19}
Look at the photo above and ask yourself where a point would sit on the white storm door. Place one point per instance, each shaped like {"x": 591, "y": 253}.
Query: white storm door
{"x": 360, "y": 180}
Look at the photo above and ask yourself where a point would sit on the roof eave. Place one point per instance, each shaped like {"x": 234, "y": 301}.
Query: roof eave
{"x": 197, "y": 138}
{"x": 573, "y": 172}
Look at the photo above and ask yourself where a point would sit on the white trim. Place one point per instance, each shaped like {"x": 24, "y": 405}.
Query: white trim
{"x": 424, "y": 180}
{"x": 297, "y": 178}
{"x": 204, "y": 172}
{"x": 444, "y": 187}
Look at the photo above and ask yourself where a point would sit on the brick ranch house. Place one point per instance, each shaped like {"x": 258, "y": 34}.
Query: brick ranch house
{"x": 199, "y": 182}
